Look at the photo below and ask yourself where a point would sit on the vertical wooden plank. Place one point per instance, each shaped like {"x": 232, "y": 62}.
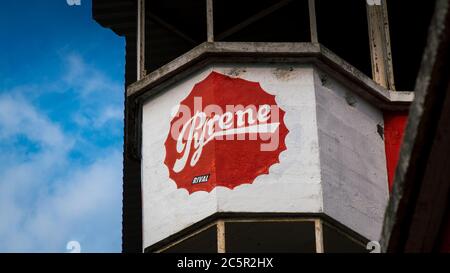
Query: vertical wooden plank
{"x": 141, "y": 40}
{"x": 420, "y": 198}
{"x": 252, "y": 19}
{"x": 380, "y": 45}
{"x": 221, "y": 237}
{"x": 210, "y": 20}
{"x": 319, "y": 236}
{"x": 313, "y": 21}
{"x": 387, "y": 38}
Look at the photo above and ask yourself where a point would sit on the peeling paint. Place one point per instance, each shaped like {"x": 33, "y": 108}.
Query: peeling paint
{"x": 236, "y": 72}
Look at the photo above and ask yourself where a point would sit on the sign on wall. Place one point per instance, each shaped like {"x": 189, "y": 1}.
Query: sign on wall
{"x": 229, "y": 139}
{"x": 227, "y": 132}
{"x": 260, "y": 139}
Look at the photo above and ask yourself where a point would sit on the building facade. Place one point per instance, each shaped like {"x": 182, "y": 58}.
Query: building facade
{"x": 269, "y": 126}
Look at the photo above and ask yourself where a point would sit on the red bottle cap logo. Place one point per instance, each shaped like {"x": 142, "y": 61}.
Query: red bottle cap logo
{"x": 226, "y": 132}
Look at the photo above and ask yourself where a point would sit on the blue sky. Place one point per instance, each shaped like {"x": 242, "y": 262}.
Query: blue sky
{"x": 61, "y": 120}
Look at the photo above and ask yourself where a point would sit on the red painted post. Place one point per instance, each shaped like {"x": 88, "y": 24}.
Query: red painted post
{"x": 394, "y": 128}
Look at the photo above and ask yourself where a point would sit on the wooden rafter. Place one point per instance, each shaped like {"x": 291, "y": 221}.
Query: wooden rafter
{"x": 210, "y": 20}
{"x": 158, "y": 20}
{"x": 256, "y": 17}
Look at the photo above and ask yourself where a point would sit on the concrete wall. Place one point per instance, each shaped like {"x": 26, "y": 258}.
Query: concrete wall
{"x": 334, "y": 160}
{"x": 352, "y": 156}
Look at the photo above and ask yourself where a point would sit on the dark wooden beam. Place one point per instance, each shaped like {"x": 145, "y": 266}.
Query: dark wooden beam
{"x": 420, "y": 196}
{"x": 210, "y": 20}
{"x": 158, "y": 20}
{"x": 256, "y": 17}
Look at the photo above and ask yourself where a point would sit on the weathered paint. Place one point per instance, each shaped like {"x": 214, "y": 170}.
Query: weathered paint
{"x": 394, "y": 128}
{"x": 334, "y": 162}
{"x": 210, "y": 53}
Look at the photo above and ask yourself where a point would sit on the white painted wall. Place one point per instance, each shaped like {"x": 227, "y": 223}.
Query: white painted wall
{"x": 292, "y": 186}
{"x": 334, "y": 161}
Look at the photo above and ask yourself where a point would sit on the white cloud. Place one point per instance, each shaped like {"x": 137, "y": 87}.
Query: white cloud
{"x": 101, "y": 118}
{"x": 84, "y": 205}
{"x": 46, "y": 197}
{"x": 87, "y": 80}
{"x": 93, "y": 89}
{"x": 17, "y": 117}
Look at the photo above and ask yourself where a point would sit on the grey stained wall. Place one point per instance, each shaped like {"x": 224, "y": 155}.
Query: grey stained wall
{"x": 352, "y": 157}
